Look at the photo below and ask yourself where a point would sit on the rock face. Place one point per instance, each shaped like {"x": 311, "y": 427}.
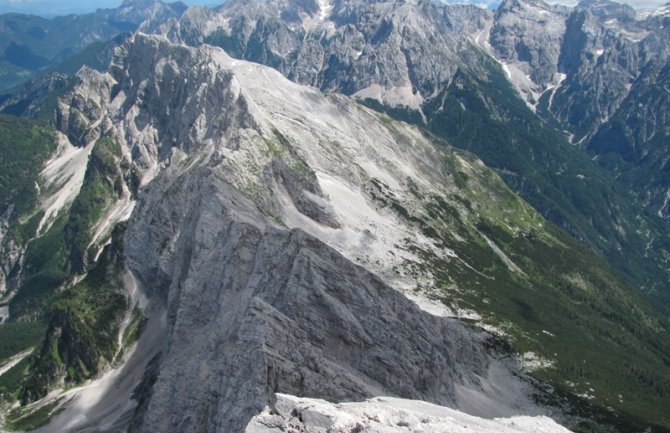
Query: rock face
{"x": 238, "y": 165}
{"x": 273, "y": 310}
{"x": 384, "y": 415}
{"x": 530, "y": 34}
{"x": 260, "y": 199}
{"x": 610, "y": 92}
{"x": 394, "y": 51}
{"x": 460, "y": 71}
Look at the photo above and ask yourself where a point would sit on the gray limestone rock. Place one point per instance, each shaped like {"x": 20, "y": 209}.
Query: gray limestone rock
{"x": 529, "y": 34}
{"x": 254, "y": 309}
{"x": 348, "y": 46}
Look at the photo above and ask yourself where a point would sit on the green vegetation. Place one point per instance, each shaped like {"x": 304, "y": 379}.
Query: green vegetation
{"x": 12, "y": 75}
{"x": 46, "y": 266}
{"x": 134, "y": 329}
{"x": 101, "y": 188}
{"x": 39, "y": 104}
{"x": 482, "y": 113}
{"x": 24, "y": 147}
{"x": 30, "y": 418}
{"x": 548, "y": 292}
{"x": 83, "y": 326}
{"x": 82, "y": 320}
{"x": 12, "y": 380}
{"x": 19, "y": 336}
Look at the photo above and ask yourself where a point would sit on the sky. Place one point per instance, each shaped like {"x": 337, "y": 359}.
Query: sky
{"x": 63, "y": 7}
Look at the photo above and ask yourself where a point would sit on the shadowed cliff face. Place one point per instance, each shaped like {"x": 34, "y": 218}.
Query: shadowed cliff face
{"x": 255, "y": 309}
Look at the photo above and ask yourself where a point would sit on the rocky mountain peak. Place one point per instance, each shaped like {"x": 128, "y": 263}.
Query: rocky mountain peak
{"x": 247, "y": 239}
{"x": 607, "y": 8}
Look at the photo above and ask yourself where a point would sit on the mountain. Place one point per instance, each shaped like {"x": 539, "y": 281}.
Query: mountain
{"x": 461, "y": 72}
{"x": 30, "y": 43}
{"x": 254, "y": 236}
{"x": 607, "y": 91}
{"x": 190, "y": 241}
{"x": 606, "y": 60}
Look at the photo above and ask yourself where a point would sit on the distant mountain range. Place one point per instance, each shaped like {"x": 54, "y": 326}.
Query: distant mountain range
{"x": 29, "y": 43}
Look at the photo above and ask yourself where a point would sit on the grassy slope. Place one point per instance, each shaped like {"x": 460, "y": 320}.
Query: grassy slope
{"x": 83, "y": 320}
{"x": 563, "y": 302}
{"x": 483, "y": 114}
{"x": 24, "y": 147}
{"x": 84, "y": 323}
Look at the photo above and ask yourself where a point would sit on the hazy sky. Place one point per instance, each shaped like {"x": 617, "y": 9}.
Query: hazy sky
{"x": 61, "y": 7}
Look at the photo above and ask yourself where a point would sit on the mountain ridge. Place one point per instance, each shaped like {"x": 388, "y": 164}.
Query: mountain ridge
{"x": 245, "y": 198}
{"x": 424, "y": 229}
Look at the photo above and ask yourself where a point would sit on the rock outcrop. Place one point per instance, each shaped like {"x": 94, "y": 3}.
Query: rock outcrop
{"x": 255, "y": 309}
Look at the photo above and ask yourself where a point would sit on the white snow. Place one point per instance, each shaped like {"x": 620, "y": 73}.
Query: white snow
{"x": 642, "y": 14}
{"x": 662, "y": 11}
{"x": 63, "y": 174}
{"x": 633, "y": 35}
{"x": 322, "y": 19}
{"x": 390, "y": 415}
{"x": 481, "y": 38}
{"x": 529, "y": 91}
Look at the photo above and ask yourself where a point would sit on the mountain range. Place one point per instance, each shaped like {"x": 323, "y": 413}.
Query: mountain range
{"x": 30, "y": 44}
{"x": 221, "y": 220}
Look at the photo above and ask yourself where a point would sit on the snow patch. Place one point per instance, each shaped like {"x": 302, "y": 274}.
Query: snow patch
{"x": 325, "y": 9}
{"x": 558, "y": 79}
{"x": 529, "y": 91}
{"x": 322, "y": 18}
